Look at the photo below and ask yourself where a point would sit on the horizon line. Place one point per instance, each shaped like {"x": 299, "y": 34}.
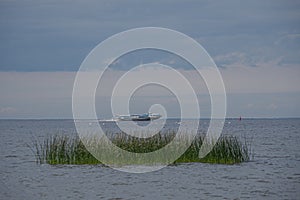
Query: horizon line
{"x": 205, "y": 118}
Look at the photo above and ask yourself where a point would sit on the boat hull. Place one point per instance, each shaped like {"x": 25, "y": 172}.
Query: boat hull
{"x": 144, "y": 117}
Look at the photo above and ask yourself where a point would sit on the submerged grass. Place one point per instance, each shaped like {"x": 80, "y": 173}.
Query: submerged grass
{"x": 71, "y": 150}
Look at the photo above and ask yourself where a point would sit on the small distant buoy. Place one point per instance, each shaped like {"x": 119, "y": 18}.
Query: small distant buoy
{"x": 240, "y": 118}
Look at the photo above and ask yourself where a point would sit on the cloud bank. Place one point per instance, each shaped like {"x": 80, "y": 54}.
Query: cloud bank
{"x": 249, "y": 91}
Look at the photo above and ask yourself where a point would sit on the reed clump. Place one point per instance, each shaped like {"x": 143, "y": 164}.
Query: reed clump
{"x": 59, "y": 149}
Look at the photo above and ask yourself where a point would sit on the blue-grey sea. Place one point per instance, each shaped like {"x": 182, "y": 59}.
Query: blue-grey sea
{"x": 272, "y": 173}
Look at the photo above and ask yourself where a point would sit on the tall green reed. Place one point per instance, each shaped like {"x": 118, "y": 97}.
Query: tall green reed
{"x": 60, "y": 149}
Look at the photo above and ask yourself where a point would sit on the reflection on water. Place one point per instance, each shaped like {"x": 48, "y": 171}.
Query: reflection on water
{"x": 274, "y": 173}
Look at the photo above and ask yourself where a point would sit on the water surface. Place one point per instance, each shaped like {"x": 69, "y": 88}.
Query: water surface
{"x": 274, "y": 172}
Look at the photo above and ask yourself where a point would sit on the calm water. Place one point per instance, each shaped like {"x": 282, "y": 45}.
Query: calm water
{"x": 274, "y": 172}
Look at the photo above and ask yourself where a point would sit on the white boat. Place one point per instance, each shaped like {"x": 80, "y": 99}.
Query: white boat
{"x": 136, "y": 117}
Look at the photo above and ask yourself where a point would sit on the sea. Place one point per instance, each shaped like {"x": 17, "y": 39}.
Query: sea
{"x": 273, "y": 171}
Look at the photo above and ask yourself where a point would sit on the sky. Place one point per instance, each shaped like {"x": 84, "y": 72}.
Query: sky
{"x": 255, "y": 44}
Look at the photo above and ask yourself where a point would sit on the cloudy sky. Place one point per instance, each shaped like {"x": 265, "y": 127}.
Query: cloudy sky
{"x": 255, "y": 44}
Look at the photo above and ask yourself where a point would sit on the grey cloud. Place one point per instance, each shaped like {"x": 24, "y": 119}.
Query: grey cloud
{"x": 49, "y": 94}
{"x": 57, "y": 35}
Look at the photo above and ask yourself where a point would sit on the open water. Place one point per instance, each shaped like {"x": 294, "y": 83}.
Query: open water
{"x": 272, "y": 173}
